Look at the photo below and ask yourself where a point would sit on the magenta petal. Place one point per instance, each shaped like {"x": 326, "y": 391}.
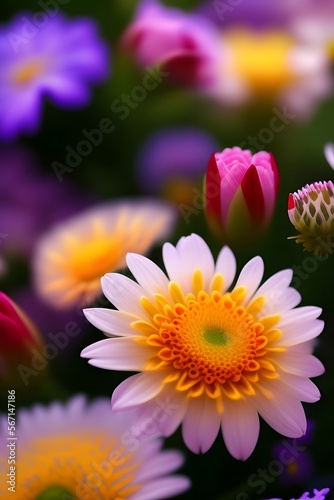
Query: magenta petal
{"x": 212, "y": 188}
{"x": 252, "y": 191}
{"x": 188, "y": 68}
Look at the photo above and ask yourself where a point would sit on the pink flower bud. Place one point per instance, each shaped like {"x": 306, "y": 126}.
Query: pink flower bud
{"x": 240, "y": 191}
{"x": 311, "y": 211}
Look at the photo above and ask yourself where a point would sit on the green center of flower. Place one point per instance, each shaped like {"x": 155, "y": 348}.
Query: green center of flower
{"x": 55, "y": 493}
{"x": 215, "y": 336}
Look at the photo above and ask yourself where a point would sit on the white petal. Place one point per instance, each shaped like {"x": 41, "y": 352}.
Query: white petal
{"x": 148, "y": 274}
{"x": 136, "y": 390}
{"x": 284, "y": 301}
{"x": 296, "y": 334}
{"x": 124, "y": 293}
{"x": 191, "y": 253}
{"x": 329, "y": 153}
{"x": 111, "y": 322}
{"x": 162, "y": 488}
{"x": 118, "y": 354}
{"x": 302, "y": 388}
{"x": 251, "y": 276}
{"x": 273, "y": 289}
{"x": 240, "y": 427}
{"x": 161, "y": 415}
{"x": 163, "y": 463}
{"x": 301, "y": 364}
{"x": 299, "y": 315}
{"x": 280, "y": 280}
{"x": 174, "y": 410}
{"x": 201, "y": 424}
{"x": 226, "y": 265}
{"x": 283, "y": 413}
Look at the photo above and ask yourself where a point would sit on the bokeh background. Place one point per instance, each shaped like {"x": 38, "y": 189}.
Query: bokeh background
{"x": 31, "y": 196}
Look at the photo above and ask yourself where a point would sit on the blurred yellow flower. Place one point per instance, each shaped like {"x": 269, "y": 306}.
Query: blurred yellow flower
{"x": 70, "y": 260}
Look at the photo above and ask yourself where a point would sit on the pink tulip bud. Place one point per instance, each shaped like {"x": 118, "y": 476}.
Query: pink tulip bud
{"x": 240, "y": 191}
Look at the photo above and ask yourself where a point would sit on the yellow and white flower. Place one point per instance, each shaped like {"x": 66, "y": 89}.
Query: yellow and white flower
{"x": 221, "y": 354}
{"x": 71, "y": 259}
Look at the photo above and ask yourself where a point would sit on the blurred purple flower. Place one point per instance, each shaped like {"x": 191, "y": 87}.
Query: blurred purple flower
{"x": 299, "y": 465}
{"x": 58, "y": 59}
{"x": 31, "y": 201}
{"x": 257, "y": 14}
{"x": 173, "y": 155}
{"x": 318, "y": 495}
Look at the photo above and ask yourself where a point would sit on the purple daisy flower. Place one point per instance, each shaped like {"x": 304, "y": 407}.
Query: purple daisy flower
{"x": 56, "y": 57}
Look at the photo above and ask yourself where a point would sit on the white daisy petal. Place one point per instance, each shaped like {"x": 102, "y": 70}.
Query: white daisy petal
{"x": 296, "y": 334}
{"x": 123, "y": 293}
{"x": 250, "y": 277}
{"x": 162, "y": 488}
{"x": 226, "y": 265}
{"x": 301, "y": 363}
{"x": 274, "y": 290}
{"x": 301, "y": 388}
{"x": 111, "y": 322}
{"x": 329, "y": 153}
{"x": 240, "y": 426}
{"x": 147, "y": 274}
{"x": 283, "y": 413}
{"x": 283, "y": 301}
{"x": 298, "y": 315}
{"x": 201, "y": 425}
{"x": 170, "y": 461}
{"x": 191, "y": 253}
{"x": 117, "y": 354}
{"x": 136, "y": 390}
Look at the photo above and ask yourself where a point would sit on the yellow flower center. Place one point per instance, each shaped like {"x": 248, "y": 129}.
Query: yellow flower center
{"x": 26, "y": 73}
{"x": 209, "y": 342}
{"x": 95, "y": 258}
{"x": 82, "y": 466}
{"x": 261, "y": 59}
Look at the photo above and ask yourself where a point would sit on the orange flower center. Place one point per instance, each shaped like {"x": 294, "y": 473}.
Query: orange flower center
{"x": 70, "y": 466}
{"x": 209, "y": 342}
{"x": 26, "y": 73}
{"x": 212, "y": 339}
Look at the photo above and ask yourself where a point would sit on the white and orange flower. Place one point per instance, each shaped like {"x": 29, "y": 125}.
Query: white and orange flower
{"x": 221, "y": 355}
{"x": 71, "y": 259}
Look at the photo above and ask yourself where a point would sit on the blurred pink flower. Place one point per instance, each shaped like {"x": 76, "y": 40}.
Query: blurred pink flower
{"x": 234, "y": 65}
{"x": 184, "y": 44}
{"x": 240, "y": 191}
